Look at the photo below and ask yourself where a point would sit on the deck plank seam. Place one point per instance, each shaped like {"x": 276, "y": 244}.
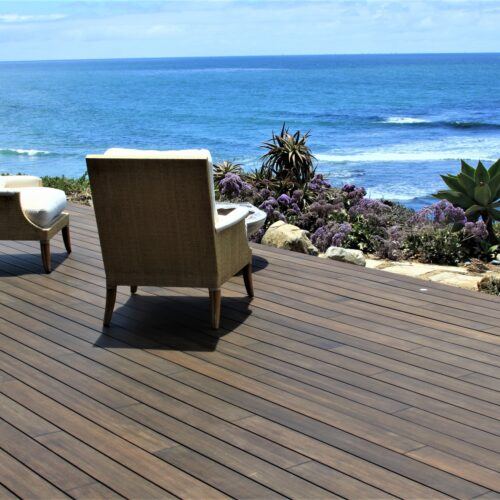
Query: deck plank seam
{"x": 372, "y": 462}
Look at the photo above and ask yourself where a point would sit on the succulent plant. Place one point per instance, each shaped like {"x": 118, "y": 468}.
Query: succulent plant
{"x": 226, "y": 167}
{"x": 477, "y": 191}
{"x": 288, "y": 157}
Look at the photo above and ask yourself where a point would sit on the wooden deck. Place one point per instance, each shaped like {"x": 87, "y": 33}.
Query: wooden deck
{"x": 334, "y": 381}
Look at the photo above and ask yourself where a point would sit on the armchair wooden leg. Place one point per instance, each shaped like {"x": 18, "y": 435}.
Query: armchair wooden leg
{"x": 133, "y": 289}
{"x": 247, "y": 276}
{"x": 45, "y": 248}
{"x": 215, "y": 298}
{"x": 66, "y": 238}
{"x": 110, "y": 304}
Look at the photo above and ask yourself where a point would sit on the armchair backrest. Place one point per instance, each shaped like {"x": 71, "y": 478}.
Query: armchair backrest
{"x": 155, "y": 216}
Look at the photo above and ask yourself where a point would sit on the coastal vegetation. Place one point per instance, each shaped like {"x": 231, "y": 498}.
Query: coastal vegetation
{"x": 477, "y": 191}
{"x": 457, "y": 228}
{"x": 77, "y": 190}
{"x": 463, "y": 225}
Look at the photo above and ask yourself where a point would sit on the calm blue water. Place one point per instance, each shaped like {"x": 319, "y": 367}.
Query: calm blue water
{"x": 389, "y": 123}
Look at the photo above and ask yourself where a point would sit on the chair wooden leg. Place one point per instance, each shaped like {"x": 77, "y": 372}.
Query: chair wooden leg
{"x": 215, "y": 298}
{"x": 133, "y": 289}
{"x": 110, "y": 304}
{"x": 247, "y": 276}
{"x": 66, "y": 238}
{"x": 45, "y": 248}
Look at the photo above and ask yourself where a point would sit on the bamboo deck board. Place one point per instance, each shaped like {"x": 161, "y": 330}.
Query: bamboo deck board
{"x": 334, "y": 382}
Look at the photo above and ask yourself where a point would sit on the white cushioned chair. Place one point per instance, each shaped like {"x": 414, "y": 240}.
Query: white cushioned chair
{"x": 29, "y": 211}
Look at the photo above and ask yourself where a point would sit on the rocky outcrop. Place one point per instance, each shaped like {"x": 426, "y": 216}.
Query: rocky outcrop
{"x": 346, "y": 255}
{"x": 288, "y": 237}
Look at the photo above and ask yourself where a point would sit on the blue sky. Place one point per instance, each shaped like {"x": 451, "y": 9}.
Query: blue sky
{"x": 106, "y": 29}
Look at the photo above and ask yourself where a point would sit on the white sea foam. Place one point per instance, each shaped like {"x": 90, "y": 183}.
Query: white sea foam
{"x": 450, "y": 149}
{"x": 404, "y": 120}
{"x": 398, "y": 192}
{"x": 384, "y": 156}
{"x": 23, "y": 152}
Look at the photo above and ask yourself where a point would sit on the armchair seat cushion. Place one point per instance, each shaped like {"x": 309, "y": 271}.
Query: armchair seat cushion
{"x": 42, "y": 205}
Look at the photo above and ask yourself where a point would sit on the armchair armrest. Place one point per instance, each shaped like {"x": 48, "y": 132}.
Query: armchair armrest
{"x": 232, "y": 218}
{"x": 19, "y": 181}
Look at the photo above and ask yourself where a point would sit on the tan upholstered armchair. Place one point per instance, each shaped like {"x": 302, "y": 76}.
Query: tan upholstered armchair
{"x": 158, "y": 225}
{"x": 29, "y": 211}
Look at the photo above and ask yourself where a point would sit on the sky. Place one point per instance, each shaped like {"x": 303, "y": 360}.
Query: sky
{"x": 41, "y": 30}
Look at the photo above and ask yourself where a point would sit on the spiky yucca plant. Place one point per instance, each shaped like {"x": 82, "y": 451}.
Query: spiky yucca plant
{"x": 226, "y": 167}
{"x": 477, "y": 191}
{"x": 288, "y": 157}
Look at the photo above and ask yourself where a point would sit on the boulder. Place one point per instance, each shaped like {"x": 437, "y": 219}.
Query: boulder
{"x": 346, "y": 255}
{"x": 288, "y": 237}
{"x": 490, "y": 284}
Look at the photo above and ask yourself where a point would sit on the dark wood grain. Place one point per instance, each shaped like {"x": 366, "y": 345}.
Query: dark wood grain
{"x": 333, "y": 381}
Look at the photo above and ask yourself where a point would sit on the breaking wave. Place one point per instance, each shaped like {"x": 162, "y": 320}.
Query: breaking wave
{"x": 424, "y": 122}
{"x": 23, "y": 152}
{"x": 447, "y": 150}
{"x": 404, "y": 120}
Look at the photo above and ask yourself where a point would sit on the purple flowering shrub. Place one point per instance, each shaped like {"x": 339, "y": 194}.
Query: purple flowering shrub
{"x": 332, "y": 234}
{"x": 442, "y": 234}
{"x": 272, "y": 208}
{"x": 391, "y": 244}
{"x": 233, "y": 187}
{"x": 352, "y": 195}
{"x": 440, "y": 214}
{"x": 318, "y": 184}
{"x": 439, "y": 233}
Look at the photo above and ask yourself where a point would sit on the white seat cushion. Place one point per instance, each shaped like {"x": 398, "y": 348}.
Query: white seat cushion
{"x": 172, "y": 154}
{"x": 19, "y": 181}
{"x": 42, "y": 205}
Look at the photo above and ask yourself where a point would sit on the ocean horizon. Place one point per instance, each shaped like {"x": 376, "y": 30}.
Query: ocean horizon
{"x": 390, "y": 123}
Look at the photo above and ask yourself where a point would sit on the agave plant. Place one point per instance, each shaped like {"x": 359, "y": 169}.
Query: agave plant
{"x": 226, "y": 167}
{"x": 477, "y": 191}
{"x": 288, "y": 157}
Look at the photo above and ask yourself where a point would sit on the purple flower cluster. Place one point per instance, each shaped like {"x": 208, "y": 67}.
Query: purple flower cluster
{"x": 284, "y": 200}
{"x": 442, "y": 213}
{"x": 353, "y": 194}
{"x": 271, "y": 207}
{"x": 317, "y": 214}
{"x": 476, "y": 230}
{"x": 333, "y": 234}
{"x": 318, "y": 184}
{"x": 369, "y": 208}
{"x": 288, "y": 203}
{"x": 233, "y": 186}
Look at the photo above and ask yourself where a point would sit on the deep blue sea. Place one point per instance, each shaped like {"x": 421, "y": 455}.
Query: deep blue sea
{"x": 391, "y": 123}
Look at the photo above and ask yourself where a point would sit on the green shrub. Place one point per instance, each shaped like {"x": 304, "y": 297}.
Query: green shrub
{"x": 77, "y": 190}
{"x": 435, "y": 245}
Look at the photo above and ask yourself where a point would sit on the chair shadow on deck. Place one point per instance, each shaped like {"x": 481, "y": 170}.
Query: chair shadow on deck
{"x": 259, "y": 263}
{"x": 22, "y": 264}
{"x": 170, "y": 322}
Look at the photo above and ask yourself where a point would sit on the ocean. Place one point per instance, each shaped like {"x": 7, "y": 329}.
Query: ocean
{"x": 390, "y": 123}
